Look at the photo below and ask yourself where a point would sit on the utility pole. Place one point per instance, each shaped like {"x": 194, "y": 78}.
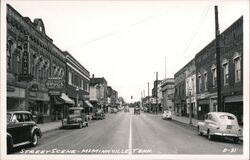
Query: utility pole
{"x": 190, "y": 109}
{"x": 156, "y": 92}
{"x": 218, "y": 72}
{"x": 165, "y": 67}
{"x": 148, "y": 97}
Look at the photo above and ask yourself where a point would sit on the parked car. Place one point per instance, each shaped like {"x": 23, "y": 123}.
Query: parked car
{"x": 21, "y": 130}
{"x": 137, "y": 110}
{"x": 220, "y": 124}
{"x": 99, "y": 114}
{"x": 76, "y": 117}
{"x": 126, "y": 110}
{"x": 114, "y": 110}
{"x": 167, "y": 115}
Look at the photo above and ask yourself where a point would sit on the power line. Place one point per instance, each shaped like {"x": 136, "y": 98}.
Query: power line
{"x": 114, "y": 33}
{"x": 196, "y": 29}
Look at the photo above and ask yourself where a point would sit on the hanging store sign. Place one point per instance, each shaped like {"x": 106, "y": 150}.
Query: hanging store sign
{"x": 25, "y": 67}
{"x": 25, "y": 75}
{"x": 55, "y": 83}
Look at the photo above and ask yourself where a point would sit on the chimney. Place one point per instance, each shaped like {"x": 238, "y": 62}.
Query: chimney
{"x": 93, "y": 76}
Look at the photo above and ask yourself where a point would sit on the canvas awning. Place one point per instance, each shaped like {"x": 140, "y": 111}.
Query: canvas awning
{"x": 63, "y": 99}
{"x": 88, "y": 104}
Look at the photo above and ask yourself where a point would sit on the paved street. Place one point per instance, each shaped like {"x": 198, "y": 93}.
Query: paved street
{"x": 126, "y": 133}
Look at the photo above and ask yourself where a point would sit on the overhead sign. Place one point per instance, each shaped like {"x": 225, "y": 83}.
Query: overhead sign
{"x": 55, "y": 83}
{"x": 54, "y": 93}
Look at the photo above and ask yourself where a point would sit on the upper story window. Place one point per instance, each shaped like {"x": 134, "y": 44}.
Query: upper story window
{"x": 70, "y": 78}
{"x": 214, "y": 75}
{"x": 9, "y": 50}
{"x": 225, "y": 71}
{"x": 205, "y": 81}
{"x": 237, "y": 64}
{"x": 200, "y": 83}
{"x": 81, "y": 84}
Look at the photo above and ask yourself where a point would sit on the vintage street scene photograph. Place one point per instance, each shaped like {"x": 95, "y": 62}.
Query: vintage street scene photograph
{"x": 125, "y": 79}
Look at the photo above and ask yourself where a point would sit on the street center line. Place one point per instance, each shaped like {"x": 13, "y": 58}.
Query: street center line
{"x": 130, "y": 136}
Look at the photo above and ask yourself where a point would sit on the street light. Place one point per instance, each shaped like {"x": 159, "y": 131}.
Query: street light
{"x": 190, "y": 109}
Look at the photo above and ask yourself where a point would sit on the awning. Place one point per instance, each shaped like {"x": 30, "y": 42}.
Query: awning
{"x": 67, "y": 99}
{"x": 231, "y": 99}
{"x": 88, "y": 104}
{"x": 63, "y": 99}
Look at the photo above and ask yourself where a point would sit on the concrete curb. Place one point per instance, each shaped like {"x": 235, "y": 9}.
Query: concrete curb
{"x": 193, "y": 126}
{"x": 50, "y": 130}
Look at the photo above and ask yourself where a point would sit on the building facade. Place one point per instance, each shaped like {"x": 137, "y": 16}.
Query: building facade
{"x": 231, "y": 67}
{"x": 180, "y": 105}
{"x": 98, "y": 93}
{"x": 77, "y": 83}
{"x": 32, "y": 58}
{"x": 191, "y": 89}
{"x": 156, "y": 105}
{"x": 167, "y": 89}
{"x": 113, "y": 96}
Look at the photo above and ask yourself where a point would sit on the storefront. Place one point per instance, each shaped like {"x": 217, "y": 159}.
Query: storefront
{"x": 234, "y": 105}
{"x": 15, "y": 98}
{"x": 88, "y": 107}
{"x": 60, "y": 106}
{"x": 39, "y": 105}
{"x": 203, "y": 108}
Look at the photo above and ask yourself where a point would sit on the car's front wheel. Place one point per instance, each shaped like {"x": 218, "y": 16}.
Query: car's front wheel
{"x": 209, "y": 136}
{"x": 198, "y": 131}
{"x": 80, "y": 125}
{"x": 34, "y": 140}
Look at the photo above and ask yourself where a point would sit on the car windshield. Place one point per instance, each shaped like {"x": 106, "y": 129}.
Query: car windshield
{"x": 8, "y": 117}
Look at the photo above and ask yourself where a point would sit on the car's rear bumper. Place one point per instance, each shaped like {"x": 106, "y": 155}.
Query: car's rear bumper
{"x": 96, "y": 117}
{"x": 70, "y": 124}
{"x": 226, "y": 135}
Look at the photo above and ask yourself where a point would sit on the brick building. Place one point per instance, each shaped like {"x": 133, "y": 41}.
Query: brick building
{"x": 167, "y": 89}
{"x": 31, "y": 59}
{"x": 231, "y": 55}
{"x": 113, "y": 96}
{"x": 98, "y": 93}
{"x": 77, "y": 85}
{"x": 181, "y": 94}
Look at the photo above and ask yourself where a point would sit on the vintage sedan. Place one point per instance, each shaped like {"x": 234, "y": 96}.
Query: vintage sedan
{"x": 99, "y": 114}
{"x": 76, "y": 117}
{"x": 137, "y": 110}
{"x": 220, "y": 124}
{"x": 21, "y": 130}
{"x": 167, "y": 115}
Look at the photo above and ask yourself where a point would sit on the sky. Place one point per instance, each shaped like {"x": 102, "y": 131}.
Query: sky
{"x": 127, "y": 42}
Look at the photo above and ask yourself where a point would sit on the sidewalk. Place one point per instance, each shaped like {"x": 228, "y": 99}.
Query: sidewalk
{"x": 50, "y": 126}
{"x": 195, "y": 122}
